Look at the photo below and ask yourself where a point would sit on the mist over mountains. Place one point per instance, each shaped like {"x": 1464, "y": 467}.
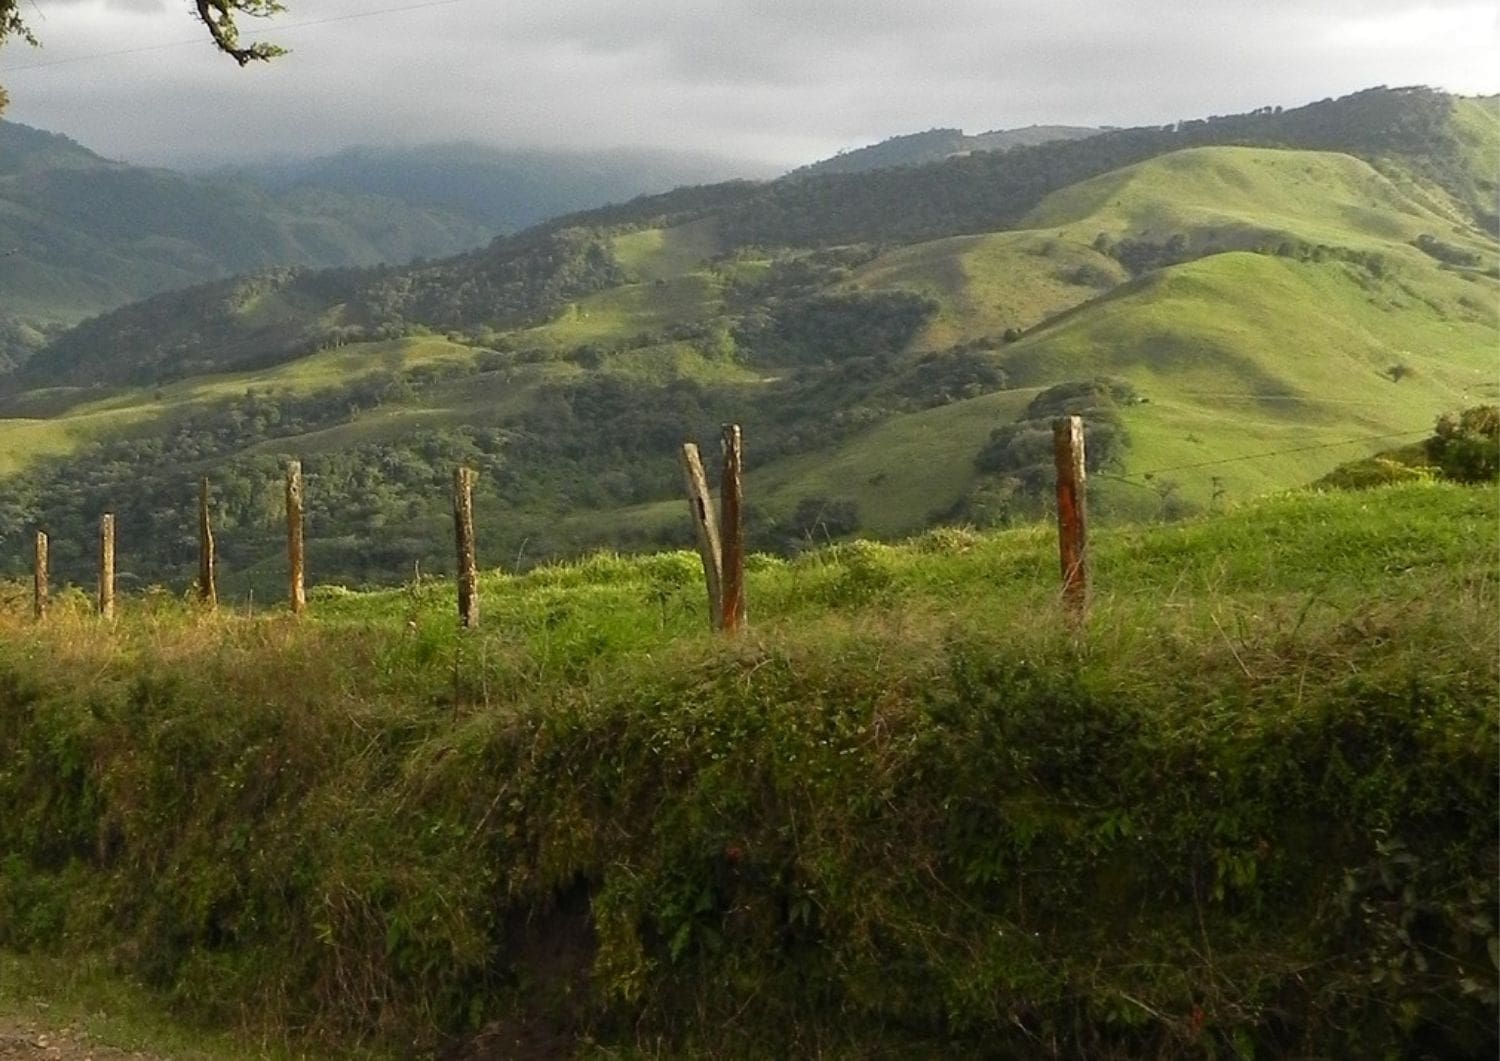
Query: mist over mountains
{"x": 503, "y": 190}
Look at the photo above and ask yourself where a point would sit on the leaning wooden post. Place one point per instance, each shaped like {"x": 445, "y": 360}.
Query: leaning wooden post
{"x": 39, "y": 577}
{"x": 107, "y": 566}
{"x": 705, "y": 524}
{"x": 296, "y": 594}
{"x": 208, "y": 587}
{"x": 463, "y": 532}
{"x": 1072, "y": 517}
{"x": 732, "y": 534}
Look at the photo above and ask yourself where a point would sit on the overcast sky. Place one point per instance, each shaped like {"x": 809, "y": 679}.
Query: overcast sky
{"x": 780, "y": 81}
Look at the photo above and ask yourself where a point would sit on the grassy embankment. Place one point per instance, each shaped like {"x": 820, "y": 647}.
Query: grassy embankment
{"x": 1250, "y": 806}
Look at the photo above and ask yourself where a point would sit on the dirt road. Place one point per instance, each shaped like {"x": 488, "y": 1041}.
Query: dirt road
{"x": 22, "y": 1040}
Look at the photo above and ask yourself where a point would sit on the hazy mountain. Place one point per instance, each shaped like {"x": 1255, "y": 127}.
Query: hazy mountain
{"x": 80, "y": 233}
{"x": 503, "y": 189}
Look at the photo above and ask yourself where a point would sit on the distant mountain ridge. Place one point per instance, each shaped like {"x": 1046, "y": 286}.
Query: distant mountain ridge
{"x": 80, "y": 233}
{"x": 503, "y": 189}
{"x": 935, "y": 145}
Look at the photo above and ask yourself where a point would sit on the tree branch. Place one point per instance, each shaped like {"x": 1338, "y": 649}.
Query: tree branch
{"x": 218, "y": 16}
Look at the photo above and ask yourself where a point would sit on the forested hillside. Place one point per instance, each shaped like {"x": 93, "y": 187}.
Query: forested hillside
{"x": 1236, "y": 304}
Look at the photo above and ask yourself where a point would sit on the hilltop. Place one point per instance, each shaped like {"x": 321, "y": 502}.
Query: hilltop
{"x": 938, "y": 145}
{"x": 1236, "y": 305}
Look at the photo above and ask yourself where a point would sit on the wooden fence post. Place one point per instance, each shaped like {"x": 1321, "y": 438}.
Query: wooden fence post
{"x": 1072, "y": 516}
{"x": 107, "y": 566}
{"x": 39, "y": 577}
{"x": 463, "y": 532}
{"x": 297, "y": 594}
{"x": 706, "y": 526}
{"x": 732, "y": 534}
{"x": 208, "y": 588}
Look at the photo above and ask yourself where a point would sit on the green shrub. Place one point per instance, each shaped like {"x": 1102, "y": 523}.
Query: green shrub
{"x": 1467, "y": 446}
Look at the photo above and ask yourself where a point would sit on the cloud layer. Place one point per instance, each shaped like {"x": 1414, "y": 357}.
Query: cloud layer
{"x": 783, "y": 81}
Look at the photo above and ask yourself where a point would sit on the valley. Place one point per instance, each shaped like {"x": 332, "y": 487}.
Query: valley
{"x": 1267, "y": 311}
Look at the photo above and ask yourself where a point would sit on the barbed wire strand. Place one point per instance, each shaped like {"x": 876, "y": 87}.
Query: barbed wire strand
{"x": 1259, "y": 456}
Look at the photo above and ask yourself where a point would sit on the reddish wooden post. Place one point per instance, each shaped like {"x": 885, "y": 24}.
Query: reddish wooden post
{"x": 39, "y": 577}
{"x": 107, "y": 566}
{"x": 208, "y": 590}
{"x": 732, "y": 534}
{"x": 705, "y": 525}
{"x": 463, "y": 533}
{"x": 296, "y": 591}
{"x": 1072, "y": 519}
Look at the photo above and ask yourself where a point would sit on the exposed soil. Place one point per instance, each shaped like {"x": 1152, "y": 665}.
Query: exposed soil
{"x": 22, "y": 1040}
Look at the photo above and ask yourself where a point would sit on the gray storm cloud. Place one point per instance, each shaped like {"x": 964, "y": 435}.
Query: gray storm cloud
{"x": 782, "y": 81}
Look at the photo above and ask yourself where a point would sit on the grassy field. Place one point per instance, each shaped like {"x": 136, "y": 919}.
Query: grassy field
{"x": 1240, "y": 193}
{"x": 988, "y": 284}
{"x": 912, "y": 812}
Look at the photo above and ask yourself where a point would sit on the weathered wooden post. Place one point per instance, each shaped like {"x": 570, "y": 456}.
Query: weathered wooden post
{"x": 296, "y": 594}
{"x": 1072, "y": 516}
{"x": 107, "y": 565}
{"x": 463, "y": 532}
{"x": 208, "y": 588}
{"x": 39, "y": 577}
{"x": 706, "y": 526}
{"x": 732, "y": 533}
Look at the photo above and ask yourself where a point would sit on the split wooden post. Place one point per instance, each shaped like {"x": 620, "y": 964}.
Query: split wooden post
{"x": 107, "y": 566}
{"x": 1072, "y": 516}
{"x": 463, "y": 532}
{"x": 296, "y": 591}
{"x": 208, "y": 588}
{"x": 732, "y": 533}
{"x": 706, "y": 526}
{"x": 39, "y": 577}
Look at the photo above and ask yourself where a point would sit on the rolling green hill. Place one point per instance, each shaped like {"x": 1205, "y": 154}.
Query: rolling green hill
{"x": 1232, "y": 318}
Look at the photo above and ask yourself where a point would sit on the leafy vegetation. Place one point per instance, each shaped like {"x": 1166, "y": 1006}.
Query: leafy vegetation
{"x": 1464, "y": 448}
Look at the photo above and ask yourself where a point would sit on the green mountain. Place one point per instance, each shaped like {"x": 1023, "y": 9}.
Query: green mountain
{"x": 938, "y": 145}
{"x": 1235, "y": 305}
